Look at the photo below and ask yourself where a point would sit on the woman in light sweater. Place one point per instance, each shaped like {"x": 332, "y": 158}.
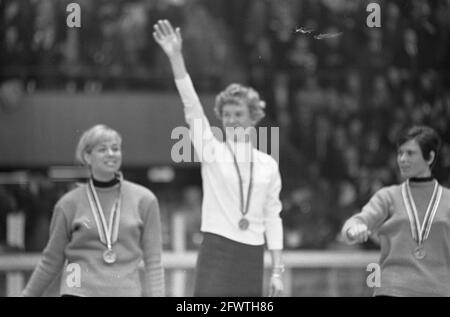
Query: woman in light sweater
{"x": 412, "y": 221}
{"x": 101, "y": 231}
{"x": 241, "y": 186}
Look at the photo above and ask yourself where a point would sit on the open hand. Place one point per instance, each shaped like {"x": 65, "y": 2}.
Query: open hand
{"x": 169, "y": 39}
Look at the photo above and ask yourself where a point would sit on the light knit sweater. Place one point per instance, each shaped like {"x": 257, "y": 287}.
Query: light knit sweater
{"x": 74, "y": 239}
{"x": 401, "y": 273}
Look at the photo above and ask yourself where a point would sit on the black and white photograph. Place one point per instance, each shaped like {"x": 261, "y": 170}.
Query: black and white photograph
{"x": 238, "y": 150}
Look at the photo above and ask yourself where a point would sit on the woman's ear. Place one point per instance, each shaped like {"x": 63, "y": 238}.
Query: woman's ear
{"x": 87, "y": 158}
{"x": 432, "y": 157}
{"x": 254, "y": 120}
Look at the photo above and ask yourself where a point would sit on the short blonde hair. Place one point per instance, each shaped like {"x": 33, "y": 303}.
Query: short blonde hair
{"x": 238, "y": 94}
{"x": 93, "y": 136}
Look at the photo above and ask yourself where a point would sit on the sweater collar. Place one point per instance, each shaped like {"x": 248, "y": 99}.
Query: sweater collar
{"x": 108, "y": 184}
{"x": 421, "y": 179}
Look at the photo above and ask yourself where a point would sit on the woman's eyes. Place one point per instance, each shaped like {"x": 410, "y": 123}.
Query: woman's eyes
{"x": 237, "y": 115}
{"x": 104, "y": 149}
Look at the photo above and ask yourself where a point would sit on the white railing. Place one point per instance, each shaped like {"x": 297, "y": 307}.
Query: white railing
{"x": 181, "y": 263}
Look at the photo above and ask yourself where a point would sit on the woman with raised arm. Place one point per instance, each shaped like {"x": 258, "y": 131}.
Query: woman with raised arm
{"x": 412, "y": 221}
{"x": 101, "y": 231}
{"x": 241, "y": 186}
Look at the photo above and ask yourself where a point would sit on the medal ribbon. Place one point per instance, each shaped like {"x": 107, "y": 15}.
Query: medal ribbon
{"x": 420, "y": 232}
{"x": 108, "y": 233}
{"x": 241, "y": 185}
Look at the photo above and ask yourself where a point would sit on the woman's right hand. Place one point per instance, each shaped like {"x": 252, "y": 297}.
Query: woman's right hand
{"x": 169, "y": 39}
{"x": 358, "y": 232}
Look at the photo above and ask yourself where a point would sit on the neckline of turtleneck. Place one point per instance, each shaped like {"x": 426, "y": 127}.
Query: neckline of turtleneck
{"x": 108, "y": 184}
{"x": 421, "y": 179}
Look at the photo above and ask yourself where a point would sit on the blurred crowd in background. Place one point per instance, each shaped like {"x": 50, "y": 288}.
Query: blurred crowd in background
{"x": 340, "y": 102}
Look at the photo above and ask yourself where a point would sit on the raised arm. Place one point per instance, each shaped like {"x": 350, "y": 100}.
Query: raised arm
{"x": 200, "y": 130}
{"x": 171, "y": 42}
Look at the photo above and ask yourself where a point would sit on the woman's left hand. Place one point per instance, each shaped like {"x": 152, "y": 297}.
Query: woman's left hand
{"x": 168, "y": 38}
{"x": 276, "y": 286}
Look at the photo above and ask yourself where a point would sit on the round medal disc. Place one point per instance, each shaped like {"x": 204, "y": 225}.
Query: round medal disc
{"x": 243, "y": 224}
{"x": 419, "y": 253}
{"x": 109, "y": 256}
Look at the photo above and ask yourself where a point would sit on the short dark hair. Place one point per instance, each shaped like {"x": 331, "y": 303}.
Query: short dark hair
{"x": 427, "y": 138}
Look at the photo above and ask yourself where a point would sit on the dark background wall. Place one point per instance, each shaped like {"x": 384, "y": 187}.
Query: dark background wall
{"x": 45, "y": 129}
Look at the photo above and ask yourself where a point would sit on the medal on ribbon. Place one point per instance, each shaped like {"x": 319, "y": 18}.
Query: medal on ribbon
{"x": 107, "y": 231}
{"x": 419, "y": 231}
{"x": 243, "y": 223}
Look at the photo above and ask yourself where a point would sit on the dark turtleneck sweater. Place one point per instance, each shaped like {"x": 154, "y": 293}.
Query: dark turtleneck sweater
{"x": 74, "y": 238}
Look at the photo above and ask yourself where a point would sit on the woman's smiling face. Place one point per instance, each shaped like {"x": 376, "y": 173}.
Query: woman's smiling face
{"x": 105, "y": 159}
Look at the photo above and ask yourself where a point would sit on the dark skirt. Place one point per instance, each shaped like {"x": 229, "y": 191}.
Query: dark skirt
{"x": 226, "y": 268}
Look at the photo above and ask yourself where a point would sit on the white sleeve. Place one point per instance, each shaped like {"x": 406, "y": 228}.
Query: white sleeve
{"x": 200, "y": 130}
{"x": 272, "y": 209}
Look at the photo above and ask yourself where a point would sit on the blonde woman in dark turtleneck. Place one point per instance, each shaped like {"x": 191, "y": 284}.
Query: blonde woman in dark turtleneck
{"x": 101, "y": 231}
{"x": 412, "y": 221}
